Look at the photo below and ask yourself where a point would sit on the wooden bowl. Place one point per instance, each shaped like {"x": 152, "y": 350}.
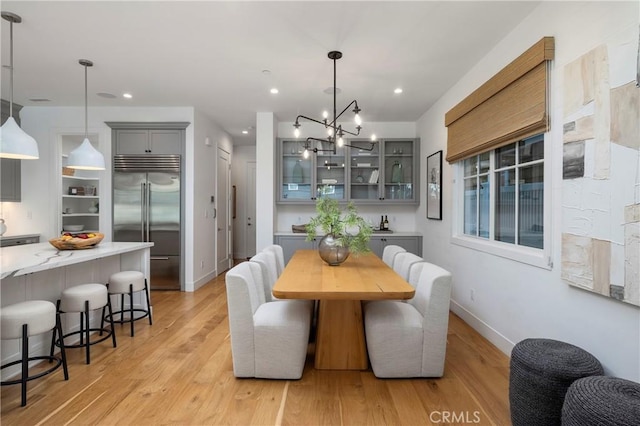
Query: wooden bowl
{"x": 77, "y": 243}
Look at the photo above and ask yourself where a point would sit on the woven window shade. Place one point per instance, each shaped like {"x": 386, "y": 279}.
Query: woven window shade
{"x": 511, "y": 106}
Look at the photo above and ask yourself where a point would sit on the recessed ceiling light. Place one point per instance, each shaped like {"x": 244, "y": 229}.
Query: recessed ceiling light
{"x": 266, "y": 72}
{"x": 398, "y": 91}
{"x": 245, "y": 132}
{"x": 329, "y": 90}
{"x": 106, "y": 95}
{"x": 274, "y": 91}
{"x": 127, "y": 95}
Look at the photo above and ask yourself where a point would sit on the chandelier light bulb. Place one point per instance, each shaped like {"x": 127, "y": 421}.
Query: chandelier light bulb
{"x": 305, "y": 154}
{"x": 340, "y": 142}
{"x": 330, "y": 131}
{"x": 325, "y": 114}
{"x": 296, "y": 132}
{"x": 374, "y": 137}
{"x": 357, "y": 119}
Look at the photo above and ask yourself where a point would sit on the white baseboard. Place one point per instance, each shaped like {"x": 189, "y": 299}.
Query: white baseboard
{"x": 202, "y": 281}
{"x": 485, "y": 330}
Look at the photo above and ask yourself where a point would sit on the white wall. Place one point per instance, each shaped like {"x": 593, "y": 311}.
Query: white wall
{"x": 514, "y": 301}
{"x": 201, "y": 225}
{"x": 241, "y": 156}
{"x": 266, "y": 127}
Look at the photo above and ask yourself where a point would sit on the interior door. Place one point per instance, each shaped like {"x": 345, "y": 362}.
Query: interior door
{"x": 250, "y": 224}
{"x": 223, "y": 244}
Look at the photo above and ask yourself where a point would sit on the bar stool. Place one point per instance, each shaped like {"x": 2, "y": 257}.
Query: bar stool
{"x": 82, "y": 299}
{"x": 23, "y": 320}
{"x": 127, "y": 283}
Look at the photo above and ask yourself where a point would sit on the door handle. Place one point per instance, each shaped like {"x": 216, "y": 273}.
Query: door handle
{"x": 142, "y": 210}
{"x": 148, "y": 210}
{"x": 159, "y": 258}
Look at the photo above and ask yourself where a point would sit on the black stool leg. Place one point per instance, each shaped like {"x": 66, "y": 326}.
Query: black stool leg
{"x": 131, "y": 307}
{"x": 63, "y": 354}
{"x": 122, "y": 309}
{"x": 25, "y": 365}
{"x": 87, "y": 330}
{"x": 146, "y": 293}
{"x": 102, "y": 317}
{"x": 103, "y": 310}
{"x": 113, "y": 329}
{"x": 55, "y": 330}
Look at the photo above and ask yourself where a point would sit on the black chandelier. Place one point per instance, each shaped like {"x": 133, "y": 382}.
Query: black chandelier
{"x": 334, "y": 130}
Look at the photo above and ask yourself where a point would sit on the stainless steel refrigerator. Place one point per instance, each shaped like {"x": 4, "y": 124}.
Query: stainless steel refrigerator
{"x": 146, "y": 207}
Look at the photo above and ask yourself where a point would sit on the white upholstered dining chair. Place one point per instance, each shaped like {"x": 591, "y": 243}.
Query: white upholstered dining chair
{"x": 410, "y": 339}
{"x": 268, "y": 264}
{"x": 279, "y": 253}
{"x": 403, "y": 262}
{"x": 389, "y": 254}
{"x": 268, "y": 339}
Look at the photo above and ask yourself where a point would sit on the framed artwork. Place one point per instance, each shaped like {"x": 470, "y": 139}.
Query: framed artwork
{"x": 434, "y": 186}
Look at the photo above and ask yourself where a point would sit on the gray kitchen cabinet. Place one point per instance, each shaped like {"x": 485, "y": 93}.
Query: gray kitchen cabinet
{"x": 411, "y": 243}
{"x": 291, "y": 243}
{"x": 302, "y": 180}
{"x": 140, "y": 138}
{"x": 10, "y": 179}
{"x": 387, "y": 174}
{"x": 137, "y": 141}
{"x": 386, "y": 171}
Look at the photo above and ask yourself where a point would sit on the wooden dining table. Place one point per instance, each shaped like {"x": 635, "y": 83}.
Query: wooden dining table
{"x": 340, "y": 338}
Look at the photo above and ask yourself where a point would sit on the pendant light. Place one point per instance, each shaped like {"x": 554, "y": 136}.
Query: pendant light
{"x": 335, "y": 132}
{"x": 86, "y": 157}
{"x": 14, "y": 142}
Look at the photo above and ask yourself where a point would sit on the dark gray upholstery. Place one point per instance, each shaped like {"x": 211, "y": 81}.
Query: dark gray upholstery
{"x": 602, "y": 401}
{"x": 541, "y": 372}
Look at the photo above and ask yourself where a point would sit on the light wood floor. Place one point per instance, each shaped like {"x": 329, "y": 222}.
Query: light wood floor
{"x": 179, "y": 371}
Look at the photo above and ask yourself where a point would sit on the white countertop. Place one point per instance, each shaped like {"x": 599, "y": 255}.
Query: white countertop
{"x": 29, "y": 258}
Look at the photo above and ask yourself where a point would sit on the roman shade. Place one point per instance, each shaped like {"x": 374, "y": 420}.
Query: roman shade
{"x": 510, "y": 106}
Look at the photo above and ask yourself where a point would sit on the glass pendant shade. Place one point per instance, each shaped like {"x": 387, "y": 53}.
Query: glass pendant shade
{"x": 16, "y": 143}
{"x": 86, "y": 157}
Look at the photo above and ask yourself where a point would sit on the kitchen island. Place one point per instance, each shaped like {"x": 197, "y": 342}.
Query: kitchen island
{"x": 42, "y": 272}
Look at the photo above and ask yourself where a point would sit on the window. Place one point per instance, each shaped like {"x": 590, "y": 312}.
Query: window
{"x": 503, "y": 194}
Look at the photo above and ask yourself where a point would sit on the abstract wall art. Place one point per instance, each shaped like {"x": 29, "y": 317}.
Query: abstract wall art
{"x": 601, "y": 172}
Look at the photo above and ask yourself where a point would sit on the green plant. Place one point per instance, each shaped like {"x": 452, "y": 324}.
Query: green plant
{"x": 332, "y": 220}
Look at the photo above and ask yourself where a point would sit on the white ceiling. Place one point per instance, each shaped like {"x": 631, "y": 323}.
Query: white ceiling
{"x": 211, "y": 54}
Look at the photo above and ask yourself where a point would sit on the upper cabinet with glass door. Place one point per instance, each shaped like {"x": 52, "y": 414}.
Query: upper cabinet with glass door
{"x": 364, "y": 171}
{"x": 389, "y": 173}
{"x": 330, "y": 174}
{"x": 303, "y": 180}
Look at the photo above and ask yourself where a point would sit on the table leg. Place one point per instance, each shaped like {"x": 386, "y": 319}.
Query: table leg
{"x": 340, "y": 342}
